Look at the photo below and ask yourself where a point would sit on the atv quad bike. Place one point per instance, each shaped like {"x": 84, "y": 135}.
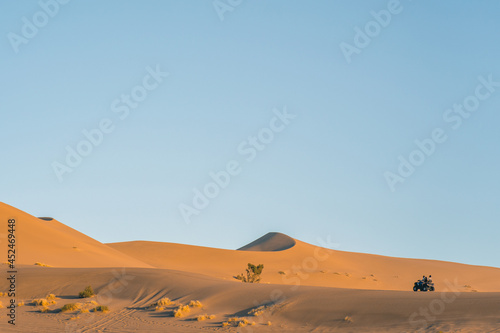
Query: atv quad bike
{"x": 423, "y": 286}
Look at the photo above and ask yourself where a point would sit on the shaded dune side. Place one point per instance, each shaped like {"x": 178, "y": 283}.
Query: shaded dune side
{"x": 272, "y": 241}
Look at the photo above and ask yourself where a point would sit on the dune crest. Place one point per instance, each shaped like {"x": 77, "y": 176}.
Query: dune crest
{"x": 50, "y": 242}
{"x": 270, "y": 242}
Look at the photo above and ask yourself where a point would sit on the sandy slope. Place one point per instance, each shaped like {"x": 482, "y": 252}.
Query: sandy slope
{"x": 55, "y": 244}
{"x": 304, "y": 288}
{"x": 128, "y": 292}
{"x": 305, "y": 264}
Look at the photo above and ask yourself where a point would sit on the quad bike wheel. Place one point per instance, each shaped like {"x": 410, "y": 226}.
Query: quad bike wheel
{"x": 415, "y": 288}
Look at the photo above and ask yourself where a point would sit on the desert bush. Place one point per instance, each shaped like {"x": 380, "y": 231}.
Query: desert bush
{"x": 40, "y": 301}
{"x": 20, "y": 304}
{"x": 269, "y": 323}
{"x": 237, "y": 322}
{"x": 88, "y": 292}
{"x": 101, "y": 308}
{"x": 71, "y": 307}
{"x": 164, "y": 301}
{"x": 253, "y": 273}
{"x": 205, "y": 317}
{"x": 50, "y": 297}
{"x": 44, "y": 309}
{"x": 181, "y": 310}
{"x": 257, "y": 311}
{"x": 195, "y": 304}
{"x": 84, "y": 310}
{"x": 348, "y": 319}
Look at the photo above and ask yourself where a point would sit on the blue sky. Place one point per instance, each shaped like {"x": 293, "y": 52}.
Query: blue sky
{"x": 321, "y": 176}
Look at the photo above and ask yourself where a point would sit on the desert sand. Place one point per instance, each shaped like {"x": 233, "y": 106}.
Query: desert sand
{"x": 304, "y": 288}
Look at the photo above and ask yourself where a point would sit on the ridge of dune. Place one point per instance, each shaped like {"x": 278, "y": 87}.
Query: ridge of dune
{"x": 50, "y": 242}
{"x": 272, "y": 241}
{"x": 306, "y": 264}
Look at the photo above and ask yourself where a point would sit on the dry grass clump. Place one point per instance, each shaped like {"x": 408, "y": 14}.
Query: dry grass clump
{"x": 48, "y": 300}
{"x": 44, "y": 309}
{"x": 204, "y": 317}
{"x": 164, "y": 301}
{"x": 348, "y": 319}
{"x": 20, "y": 304}
{"x": 237, "y": 322}
{"x": 195, "y": 304}
{"x": 40, "y": 302}
{"x": 84, "y": 311}
{"x": 269, "y": 323}
{"x": 161, "y": 303}
{"x": 1, "y": 294}
{"x": 87, "y": 292}
{"x": 42, "y": 264}
{"x": 257, "y": 311}
{"x": 1, "y": 305}
{"x": 71, "y": 307}
{"x": 181, "y": 311}
{"x": 101, "y": 308}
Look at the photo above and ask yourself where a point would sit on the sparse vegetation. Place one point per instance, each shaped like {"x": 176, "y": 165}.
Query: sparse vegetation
{"x": 88, "y": 292}
{"x": 44, "y": 309}
{"x": 1, "y": 305}
{"x": 348, "y": 319}
{"x": 204, "y": 317}
{"x": 50, "y": 297}
{"x": 257, "y": 311}
{"x": 195, "y": 304}
{"x": 253, "y": 273}
{"x": 71, "y": 307}
{"x": 40, "y": 302}
{"x": 269, "y": 323}
{"x": 101, "y": 308}
{"x": 237, "y": 322}
{"x": 181, "y": 311}
{"x": 20, "y": 304}
{"x": 42, "y": 264}
{"x": 162, "y": 302}
{"x": 282, "y": 273}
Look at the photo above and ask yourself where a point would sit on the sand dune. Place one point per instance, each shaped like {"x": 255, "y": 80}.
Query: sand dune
{"x": 304, "y": 288}
{"x": 306, "y": 309}
{"x": 50, "y": 242}
{"x": 273, "y": 241}
{"x": 305, "y": 264}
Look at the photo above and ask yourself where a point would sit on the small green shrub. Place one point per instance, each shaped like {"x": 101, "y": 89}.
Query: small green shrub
{"x": 253, "y": 273}
{"x": 88, "y": 292}
{"x": 101, "y": 308}
{"x": 70, "y": 307}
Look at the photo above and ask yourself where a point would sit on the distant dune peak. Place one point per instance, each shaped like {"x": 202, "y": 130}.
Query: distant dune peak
{"x": 272, "y": 241}
{"x": 46, "y": 218}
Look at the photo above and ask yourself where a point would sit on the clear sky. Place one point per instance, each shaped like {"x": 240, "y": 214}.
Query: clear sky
{"x": 355, "y": 83}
